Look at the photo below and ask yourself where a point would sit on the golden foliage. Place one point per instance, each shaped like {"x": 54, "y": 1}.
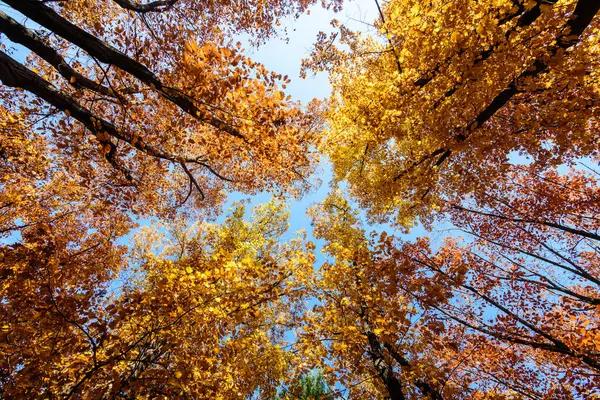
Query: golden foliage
{"x": 461, "y": 113}
{"x": 436, "y": 111}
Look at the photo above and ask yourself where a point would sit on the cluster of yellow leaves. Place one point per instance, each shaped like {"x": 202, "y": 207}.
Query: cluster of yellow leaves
{"x": 412, "y": 119}
{"x": 203, "y": 313}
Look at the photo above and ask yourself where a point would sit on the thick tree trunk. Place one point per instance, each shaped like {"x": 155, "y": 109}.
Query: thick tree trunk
{"x": 383, "y": 368}
{"x": 423, "y": 386}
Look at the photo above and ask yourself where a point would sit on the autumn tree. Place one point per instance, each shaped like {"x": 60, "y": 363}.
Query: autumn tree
{"x": 511, "y": 309}
{"x": 115, "y": 110}
{"x": 536, "y": 237}
{"x": 425, "y": 123}
{"x": 157, "y": 96}
{"x": 57, "y": 255}
{"x": 361, "y": 331}
{"x": 433, "y": 105}
{"x": 202, "y": 314}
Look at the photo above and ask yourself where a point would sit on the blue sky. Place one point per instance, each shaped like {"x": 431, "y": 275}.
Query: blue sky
{"x": 284, "y": 57}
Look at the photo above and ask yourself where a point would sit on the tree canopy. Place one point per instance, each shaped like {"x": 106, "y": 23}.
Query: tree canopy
{"x": 157, "y": 97}
{"x": 434, "y": 109}
{"x": 469, "y": 128}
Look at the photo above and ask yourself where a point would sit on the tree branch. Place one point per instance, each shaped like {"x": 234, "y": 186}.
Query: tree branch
{"x": 16, "y": 75}
{"x": 19, "y": 34}
{"x": 153, "y": 6}
{"x": 564, "y": 228}
{"x": 95, "y": 47}
{"x": 425, "y": 387}
{"x": 582, "y": 16}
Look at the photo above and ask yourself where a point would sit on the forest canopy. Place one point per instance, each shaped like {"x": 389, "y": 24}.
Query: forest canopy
{"x": 456, "y": 255}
